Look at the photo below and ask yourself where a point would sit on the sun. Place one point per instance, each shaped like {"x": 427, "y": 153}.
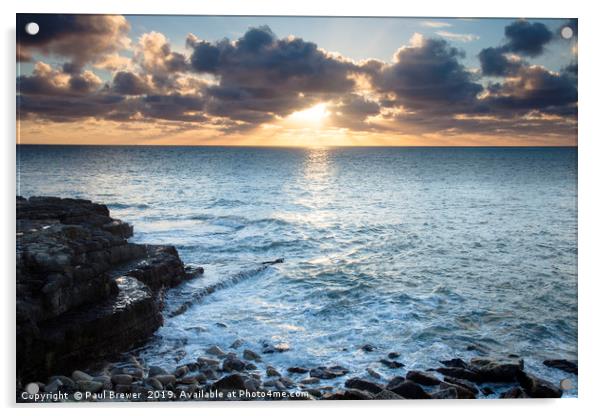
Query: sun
{"x": 313, "y": 116}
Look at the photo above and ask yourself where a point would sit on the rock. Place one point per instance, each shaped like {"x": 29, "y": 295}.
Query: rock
{"x": 315, "y": 392}
{"x": 361, "y": 384}
{"x": 287, "y": 382}
{"x": 461, "y": 391}
{"x": 80, "y": 376}
{"x": 251, "y": 355}
{"x": 368, "y": 347}
{"x": 105, "y": 380}
{"x": 393, "y": 355}
{"x": 463, "y": 383}
{"x": 280, "y": 347}
{"x": 237, "y": 344}
{"x": 423, "y": 378}
{"x": 122, "y": 379}
{"x": 155, "y": 384}
{"x": 326, "y": 373}
{"x": 387, "y": 395}
{"x": 230, "y": 382}
{"x": 514, "y": 393}
{"x": 215, "y": 350}
{"x": 454, "y": 362}
{"x": 271, "y": 371}
{"x": 395, "y": 381}
{"x": 250, "y": 367}
{"x": 53, "y": 387}
{"x": 461, "y": 373}
{"x": 155, "y": 371}
{"x": 409, "y": 390}
{"x": 134, "y": 372}
{"x": 166, "y": 379}
{"x": 231, "y": 363}
{"x": 310, "y": 380}
{"x": 496, "y": 370}
{"x": 89, "y": 386}
{"x": 122, "y": 388}
{"x": 392, "y": 364}
{"x": 373, "y": 373}
{"x": 188, "y": 380}
{"x": 181, "y": 371}
{"x": 564, "y": 365}
{"x": 297, "y": 370}
{"x": 538, "y": 388}
{"x": 65, "y": 381}
{"x": 354, "y": 394}
{"x": 207, "y": 362}
{"x": 487, "y": 391}
{"x": 448, "y": 393}
{"x": 83, "y": 291}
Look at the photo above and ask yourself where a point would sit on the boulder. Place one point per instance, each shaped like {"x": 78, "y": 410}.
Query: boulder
{"x": 514, "y": 393}
{"x": 422, "y": 377}
{"x": 392, "y": 364}
{"x": 564, "y": 365}
{"x": 409, "y": 390}
{"x": 361, "y": 384}
{"x": 538, "y": 388}
{"x": 445, "y": 394}
{"x": 251, "y": 355}
{"x": 494, "y": 370}
{"x": 230, "y": 382}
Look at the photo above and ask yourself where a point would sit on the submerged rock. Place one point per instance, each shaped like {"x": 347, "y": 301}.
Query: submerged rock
{"x": 564, "y": 365}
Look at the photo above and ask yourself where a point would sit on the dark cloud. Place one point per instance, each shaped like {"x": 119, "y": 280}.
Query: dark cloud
{"x": 128, "y": 83}
{"x": 494, "y": 62}
{"x": 428, "y": 76}
{"x": 260, "y": 73}
{"x": 80, "y": 38}
{"x": 526, "y": 38}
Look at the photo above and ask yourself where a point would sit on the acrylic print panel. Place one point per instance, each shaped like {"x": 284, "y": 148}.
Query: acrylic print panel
{"x": 278, "y": 208}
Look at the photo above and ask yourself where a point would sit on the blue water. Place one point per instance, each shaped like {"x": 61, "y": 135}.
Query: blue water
{"x": 424, "y": 251}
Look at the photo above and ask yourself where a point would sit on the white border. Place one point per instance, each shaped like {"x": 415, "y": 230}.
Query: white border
{"x": 590, "y": 288}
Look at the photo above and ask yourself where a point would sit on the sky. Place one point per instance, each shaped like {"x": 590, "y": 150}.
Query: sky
{"x": 296, "y": 81}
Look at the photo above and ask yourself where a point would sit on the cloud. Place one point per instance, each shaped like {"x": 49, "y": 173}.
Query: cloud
{"x": 427, "y": 76}
{"x": 81, "y": 38}
{"x": 460, "y": 37}
{"x": 495, "y": 62}
{"x": 128, "y": 83}
{"x": 261, "y": 76}
{"x": 155, "y": 57}
{"x": 527, "y": 38}
{"x": 435, "y": 24}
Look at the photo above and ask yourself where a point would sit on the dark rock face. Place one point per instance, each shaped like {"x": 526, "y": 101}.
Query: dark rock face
{"x": 422, "y": 377}
{"x": 408, "y": 390}
{"x": 496, "y": 370}
{"x": 538, "y": 388}
{"x": 365, "y": 385}
{"x": 564, "y": 365}
{"x": 83, "y": 291}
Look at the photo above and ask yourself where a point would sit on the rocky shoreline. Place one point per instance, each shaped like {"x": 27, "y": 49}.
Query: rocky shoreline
{"x": 85, "y": 294}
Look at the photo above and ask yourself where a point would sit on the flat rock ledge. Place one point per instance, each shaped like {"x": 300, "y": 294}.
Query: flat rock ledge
{"x": 83, "y": 291}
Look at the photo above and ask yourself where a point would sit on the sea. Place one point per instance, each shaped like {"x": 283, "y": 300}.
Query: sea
{"x": 432, "y": 253}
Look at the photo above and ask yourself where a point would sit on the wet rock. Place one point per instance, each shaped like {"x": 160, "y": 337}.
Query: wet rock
{"x": 487, "y": 391}
{"x": 393, "y": 355}
{"x": 156, "y": 371}
{"x": 215, "y": 350}
{"x": 373, "y": 373}
{"x": 89, "y": 386}
{"x": 287, "y": 382}
{"x": 231, "y": 363}
{"x": 461, "y": 373}
{"x": 445, "y": 394}
{"x": 354, "y": 394}
{"x": 395, "y": 381}
{"x": 53, "y": 387}
{"x": 538, "y": 388}
{"x": 496, "y": 370}
{"x": 387, "y": 395}
{"x": 315, "y": 392}
{"x": 271, "y": 371}
{"x": 78, "y": 375}
{"x": 230, "y": 382}
{"x": 251, "y": 355}
{"x": 514, "y": 393}
{"x": 207, "y": 362}
{"x": 166, "y": 379}
{"x": 122, "y": 388}
{"x": 155, "y": 384}
{"x": 454, "y": 362}
{"x": 122, "y": 379}
{"x": 327, "y": 373}
{"x": 392, "y": 364}
{"x": 237, "y": 344}
{"x": 368, "y": 347}
{"x": 65, "y": 381}
{"x": 310, "y": 380}
{"x": 181, "y": 371}
{"x": 105, "y": 380}
{"x": 463, "y": 383}
{"x": 280, "y": 347}
{"x": 462, "y": 392}
{"x": 297, "y": 370}
{"x": 409, "y": 390}
{"x": 250, "y": 367}
{"x": 361, "y": 384}
{"x": 564, "y": 365}
{"x": 423, "y": 378}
